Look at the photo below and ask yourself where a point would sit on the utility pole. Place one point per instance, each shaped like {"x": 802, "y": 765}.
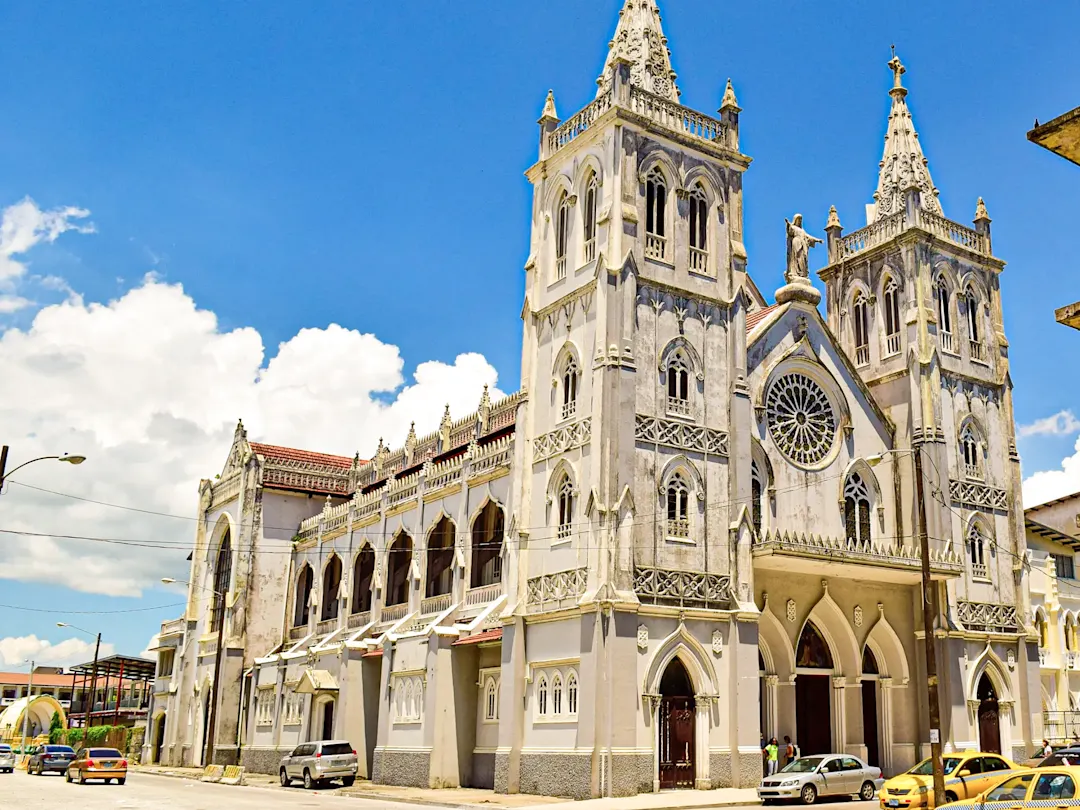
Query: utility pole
{"x": 3, "y": 464}
{"x": 929, "y": 614}
{"x": 93, "y": 691}
{"x": 30, "y": 680}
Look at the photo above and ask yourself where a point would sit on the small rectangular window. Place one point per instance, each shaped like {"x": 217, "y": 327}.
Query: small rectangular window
{"x": 1063, "y": 566}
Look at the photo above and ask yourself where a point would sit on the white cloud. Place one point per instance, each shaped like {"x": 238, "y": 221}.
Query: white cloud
{"x": 1046, "y": 485}
{"x": 1062, "y": 423}
{"x": 149, "y": 388}
{"x": 14, "y": 650}
{"x": 150, "y": 645}
{"x": 24, "y": 225}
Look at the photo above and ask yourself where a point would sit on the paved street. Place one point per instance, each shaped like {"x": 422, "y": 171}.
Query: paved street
{"x": 149, "y": 792}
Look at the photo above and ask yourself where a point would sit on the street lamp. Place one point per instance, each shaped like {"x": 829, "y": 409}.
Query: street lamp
{"x": 929, "y": 613}
{"x": 211, "y": 725}
{"x": 3, "y": 463}
{"x": 93, "y": 678}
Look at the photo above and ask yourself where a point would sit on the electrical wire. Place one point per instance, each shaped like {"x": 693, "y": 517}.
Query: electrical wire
{"x": 93, "y": 612}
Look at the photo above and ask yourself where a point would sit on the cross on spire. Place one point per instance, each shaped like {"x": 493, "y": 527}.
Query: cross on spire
{"x": 898, "y": 69}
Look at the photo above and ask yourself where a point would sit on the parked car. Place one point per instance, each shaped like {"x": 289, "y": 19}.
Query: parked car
{"x": 1061, "y": 757}
{"x": 317, "y": 762}
{"x": 98, "y": 763}
{"x": 809, "y": 777}
{"x": 45, "y": 758}
{"x": 1031, "y": 787}
{"x": 966, "y": 776}
{"x": 7, "y": 758}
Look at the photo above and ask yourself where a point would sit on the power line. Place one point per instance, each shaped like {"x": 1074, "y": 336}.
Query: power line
{"x": 93, "y": 612}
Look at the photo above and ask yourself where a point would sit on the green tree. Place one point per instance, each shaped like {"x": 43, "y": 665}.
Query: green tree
{"x": 56, "y": 729}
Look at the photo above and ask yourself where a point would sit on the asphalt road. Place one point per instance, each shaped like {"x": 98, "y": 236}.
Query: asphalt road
{"x": 18, "y": 791}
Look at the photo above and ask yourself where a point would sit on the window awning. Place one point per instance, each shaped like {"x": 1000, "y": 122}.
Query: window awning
{"x": 481, "y": 638}
{"x": 314, "y": 681}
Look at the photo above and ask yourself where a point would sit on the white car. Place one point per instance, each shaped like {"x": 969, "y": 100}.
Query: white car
{"x": 807, "y": 778}
{"x": 7, "y": 758}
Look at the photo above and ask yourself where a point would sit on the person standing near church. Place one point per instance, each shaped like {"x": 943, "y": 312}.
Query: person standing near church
{"x": 791, "y": 751}
{"x": 773, "y": 751}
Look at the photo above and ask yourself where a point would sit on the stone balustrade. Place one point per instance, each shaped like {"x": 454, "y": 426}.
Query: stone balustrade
{"x": 297, "y": 633}
{"x": 497, "y": 454}
{"x": 689, "y": 589}
{"x": 394, "y": 613}
{"x": 943, "y": 558}
{"x": 677, "y": 118}
{"x": 436, "y": 604}
{"x": 988, "y": 617}
{"x": 874, "y": 234}
{"x": 886, "y": 228}
{"x": 483, "y": 594}
{"x": 579, "y": 122}
{"x": 173, "y": 627}
{"x": 326, "y": 626}
{"x": 358, "y": 620}
{"x": 403, "y": 490}
{"x": 556, "y": 591}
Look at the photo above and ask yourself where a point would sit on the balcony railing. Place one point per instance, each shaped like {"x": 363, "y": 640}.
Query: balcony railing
{"x": 978, "y": 351}
{"x": 699, "y": 260}
{"x": 580, "y": 122}
{"x": 952, "y": 231}
{"x": 208, "y": 646}
{"x": 327, "y": 626}
{"x": 173, "y": 627}
{"x": 980, "y": 571}
{"x": 1061, "y": 726}
{"x": 655, "y": 247}
{"x": 676, "y": 117}
{"x": 677, "y": 406}
{"x": 678, "y": 528}
{"x": 871, "y": 236}
{"x": 590, "y": 250}
{"x": 357, "y": 620}
{"x": 862, "y": 355}
{"x": 560, "y": 268}
{"x": 892, "y": 344}
{"x": 569, "y": 409}
{"x": 436, "y": 604}
{"x": 870, "y": 552}
{"x": 947, "y": 343}
{"x": 973, "y": 471}
{"x": 297, "y": 633}
{"x": 1044, "y": 656}
{"x": 483, "y": 594}
{"x": 394, "y": 613}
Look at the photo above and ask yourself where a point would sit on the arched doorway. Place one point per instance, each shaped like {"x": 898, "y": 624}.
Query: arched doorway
{"x": 676, "y": 727}
{"x": 989, "y": 716}
{"x": 813, "y": 704}
{"x": 159, "y": 739}
{"x": 871, "y": 673}
{"x": 324, "y": 720}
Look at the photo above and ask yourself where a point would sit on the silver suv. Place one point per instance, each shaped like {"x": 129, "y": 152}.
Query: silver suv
{"x": 317, "y": 762}
{"x": 7, "y": 758}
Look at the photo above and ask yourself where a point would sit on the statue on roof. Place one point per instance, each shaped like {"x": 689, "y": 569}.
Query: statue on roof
{"x": 799, "y": 243}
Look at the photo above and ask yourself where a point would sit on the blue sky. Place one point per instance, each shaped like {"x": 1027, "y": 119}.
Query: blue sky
{"x": 362, "y": 165}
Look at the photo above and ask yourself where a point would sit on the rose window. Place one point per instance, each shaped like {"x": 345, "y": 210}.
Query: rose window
{"x": 801, "y": 419}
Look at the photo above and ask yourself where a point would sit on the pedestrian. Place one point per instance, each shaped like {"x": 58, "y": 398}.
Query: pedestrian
{"x": 1047, "y": 750}
{"x": 791, "y": 751}
{"x": 764, "y": 755}
{"x": 773, "y": 751}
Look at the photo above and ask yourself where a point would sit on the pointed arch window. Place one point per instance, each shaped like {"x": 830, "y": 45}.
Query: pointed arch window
{"x": 976, "y": 542}
{"x": 678, "y": 508}
{"x": 562, "y": 235}
{"x": 757, "y": 495}
{"x": 861, "y": 327}
{"x": 363, "y": 574}
{"x": 857, "y": 510}
{"x": 869, "y": 662}
{"x": 565, "y": 495}
{"x": 302, "y": 597}
{"x": 592, "y": 193}
{"x": 944, "y": 316}
{"x": 813, "y": 651}
{"x": 974, "y": 332}
{"x": 571, "y": 376}
{"x": 1044, "y": 634}
{"x": 1070, "y": 633}
{"x": 440, "y": 558}
{"x": 556, "y": 694}
{"x": 331, "y": 586}
{"x": 571, "y": 693}
{"x": 542, "y": 696}
{"x": 491, "y": 699}
{"x": 222, "y": 582}
{"x": 971, "y": 452}
{"x": 487, "y": 543}
{"x": 399, "y": 559}
{"x": 699, "y": 230}
{"x": 656, "y": 215}
{"x": 678, "y": 385}
{"x": 891, "y": 303}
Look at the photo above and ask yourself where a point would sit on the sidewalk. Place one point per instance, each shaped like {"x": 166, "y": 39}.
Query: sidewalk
{"x": 473, "y": 797}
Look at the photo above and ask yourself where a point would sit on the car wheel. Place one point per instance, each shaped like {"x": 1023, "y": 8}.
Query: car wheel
{"x": 309, "y": 783}
{"x": 808, "y": 794}
{"x": 348, "y": 781}
{"x": 120, "y": 780}
{"x": 867, "y": 792}
{"x": 285, "y": 780}
{"x": 950, "y": 796}
{"x": 67, "y": 776}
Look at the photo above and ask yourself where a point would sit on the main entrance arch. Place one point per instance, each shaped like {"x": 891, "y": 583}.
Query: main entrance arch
{"x": 813, "y": 704}
{"x": 989, "y": 716}
{"x": 676, "y": 728}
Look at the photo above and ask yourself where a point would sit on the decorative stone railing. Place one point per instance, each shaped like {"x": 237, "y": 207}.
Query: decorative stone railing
{"x": 874, "y": 234}
{"x": 436, "y": 604}
{"x": 676, "y": 117}
{"x": 297, "y": 633}
{"x": 365, "y": 506}
{"x": 1044, "y": 656}
{"x": 692, "y": 589}
{"x": 309, "y": 529}
{"x": 394, "y": 613}
{"x": 358, "y": 619}
{"x": 988, "y": 617}
{"x": 335, "y": 518}
{"x": 483, "y": 594}
{"x": 953, "y": 231}
{"x": 504, "y": 412}
{"x": 444, "y": 474}
{"x": 306, "y": 475}
{"x": 580, "y": 122}
{"x": 173, "y": 627}
{"x": 877, "y": 233}
{"x": 399, "y": 492}
{"x": 499, "y": 453}
{"x": 565, "y": 438}
{"x": 208, "y": 646}
{"x": 680, "y": 435}
{"x": 970, "y": 493}
{"x": 326, "y": 626}
{"x": 556, "y": 591}
{"x": 869, "y": 552}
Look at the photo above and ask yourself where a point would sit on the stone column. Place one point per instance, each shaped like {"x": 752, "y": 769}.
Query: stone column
{"x": 772, "y": 685}
{"x": 702, "y": 729}
{"x": 885, "y": 724}
{"x": 839, "y": 714}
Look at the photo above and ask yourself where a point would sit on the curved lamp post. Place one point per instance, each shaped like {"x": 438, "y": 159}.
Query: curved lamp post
{"x": 93, "y": 676}
{"x": 3, "y": 463}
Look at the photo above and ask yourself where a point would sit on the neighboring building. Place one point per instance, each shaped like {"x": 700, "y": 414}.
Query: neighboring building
{"x": 49, "y": 681}
{"x": 677, "y": 534}
{"x": 1062, "y": 137}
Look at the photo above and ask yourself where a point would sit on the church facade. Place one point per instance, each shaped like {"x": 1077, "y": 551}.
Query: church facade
{"x": 694, "y": 524}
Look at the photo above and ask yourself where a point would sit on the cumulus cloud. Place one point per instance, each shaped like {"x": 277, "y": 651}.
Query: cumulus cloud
{"x": 1046, "y": 485}
{"x": 14, "y": 650}
{"x": 1062, "y": 423}
{"x": 23, "y": 226}
{"x": 148, "y": 387}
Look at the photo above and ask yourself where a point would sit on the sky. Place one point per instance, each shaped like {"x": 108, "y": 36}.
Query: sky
{"x": 315, "y": 218}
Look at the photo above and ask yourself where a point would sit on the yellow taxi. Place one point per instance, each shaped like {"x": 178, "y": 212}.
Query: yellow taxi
{"x": 966, "y": 776}
{"x": 1033, "y": 787}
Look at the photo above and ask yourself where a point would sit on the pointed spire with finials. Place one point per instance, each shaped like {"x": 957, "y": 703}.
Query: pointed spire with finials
{"x": 639, "y": 39}
{"x": 903, "y": 166}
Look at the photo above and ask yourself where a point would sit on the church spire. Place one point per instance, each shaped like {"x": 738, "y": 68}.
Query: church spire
{"x": 639, "y": 39}
{"x": 903, "y": 165}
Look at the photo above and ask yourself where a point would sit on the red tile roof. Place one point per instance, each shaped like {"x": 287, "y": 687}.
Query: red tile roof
{"x": 50, "y": 681}
{"x": 480, "y": 638}
{"x": 754, "y": 318}
{"x": 273, "y": 451}
{"x": 377, "y": 653}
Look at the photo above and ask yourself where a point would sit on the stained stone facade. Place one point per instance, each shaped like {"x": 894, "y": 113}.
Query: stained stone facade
{"x": 694, "y": 523}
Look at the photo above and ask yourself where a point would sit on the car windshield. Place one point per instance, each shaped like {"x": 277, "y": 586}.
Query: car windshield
{"x": 329, "y": 749}
{"x": 926, "y": 767}
{"x": 805, "y": 765}
{"x": 59, "y": 749}
{"x": 103, "y": 753}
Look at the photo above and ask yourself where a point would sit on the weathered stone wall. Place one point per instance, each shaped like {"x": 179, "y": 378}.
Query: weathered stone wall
{"x": 262, "y": 760}
{"x": 405, "y": 768}
{"x": 483, "y": 771}
{"x": 631, "y": 774}
{"x": 566, "y": 775}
